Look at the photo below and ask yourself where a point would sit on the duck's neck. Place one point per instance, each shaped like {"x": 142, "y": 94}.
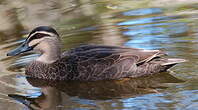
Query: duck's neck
{"x": 50, "y": 54}
{"x": 48, "y": 58}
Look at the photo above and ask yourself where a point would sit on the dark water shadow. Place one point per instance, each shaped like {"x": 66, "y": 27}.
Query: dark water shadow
{"x": 55, "y": 93}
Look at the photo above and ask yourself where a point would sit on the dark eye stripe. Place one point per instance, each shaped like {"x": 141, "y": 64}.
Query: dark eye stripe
{"x": 37, "y": 36}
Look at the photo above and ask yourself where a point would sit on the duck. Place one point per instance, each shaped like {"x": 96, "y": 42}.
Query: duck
{"x": 88, "y": 62}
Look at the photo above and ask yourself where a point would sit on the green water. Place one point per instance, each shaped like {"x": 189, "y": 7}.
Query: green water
{"x": 149, "y": 24}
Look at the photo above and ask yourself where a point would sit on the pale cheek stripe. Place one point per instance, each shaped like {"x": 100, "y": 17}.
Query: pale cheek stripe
{"x": 36, "y": 41}
{"x": 41, "y": 32}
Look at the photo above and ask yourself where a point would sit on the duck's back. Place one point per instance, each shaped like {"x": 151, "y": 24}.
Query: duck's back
{"x": 99, "y": 62}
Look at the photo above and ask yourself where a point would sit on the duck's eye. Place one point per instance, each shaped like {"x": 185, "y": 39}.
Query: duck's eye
{"x": 37, "y": 36}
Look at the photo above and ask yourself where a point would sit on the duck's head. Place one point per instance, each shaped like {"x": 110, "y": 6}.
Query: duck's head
{"x": 43, "y": 39}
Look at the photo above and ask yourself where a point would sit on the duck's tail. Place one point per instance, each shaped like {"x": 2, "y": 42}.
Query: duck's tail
{"x": 171, "y": 61}
{"x": 168, "y": 63}
{"x": 155, "y": 65}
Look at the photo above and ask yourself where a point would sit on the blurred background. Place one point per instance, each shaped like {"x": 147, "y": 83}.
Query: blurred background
{"x": 169, "y": 25}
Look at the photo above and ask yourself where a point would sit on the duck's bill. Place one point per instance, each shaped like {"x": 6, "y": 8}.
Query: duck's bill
{"x": 21, "y": 49}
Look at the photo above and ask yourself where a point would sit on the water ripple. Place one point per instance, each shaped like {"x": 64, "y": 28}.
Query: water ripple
{"x": 143, "y": 11}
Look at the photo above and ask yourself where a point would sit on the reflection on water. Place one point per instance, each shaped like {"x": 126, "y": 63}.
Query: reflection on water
{"x": 152, "y": 31}
{"x": 144, "y": 24}
{"x": 54, "y": 93}
{"x": 143, "y": 11}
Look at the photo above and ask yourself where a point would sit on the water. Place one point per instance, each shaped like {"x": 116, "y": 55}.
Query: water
{"x": 148, "y": 24}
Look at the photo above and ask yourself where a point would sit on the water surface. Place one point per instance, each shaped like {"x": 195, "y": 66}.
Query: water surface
{"x": 147, "y": 24}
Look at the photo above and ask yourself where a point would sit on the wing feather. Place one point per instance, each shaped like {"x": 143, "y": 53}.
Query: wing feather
{"x": 141, "y": 54}
{"x": 108, "y": 62}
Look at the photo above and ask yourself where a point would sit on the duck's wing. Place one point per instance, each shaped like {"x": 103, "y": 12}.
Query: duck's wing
{"x": 139, "y": 55}
{"x": 98, "y": 62}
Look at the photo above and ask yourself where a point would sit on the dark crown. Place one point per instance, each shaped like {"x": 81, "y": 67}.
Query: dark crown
{"x": 40, "y": 35}
{"x": 44, "y": 28}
